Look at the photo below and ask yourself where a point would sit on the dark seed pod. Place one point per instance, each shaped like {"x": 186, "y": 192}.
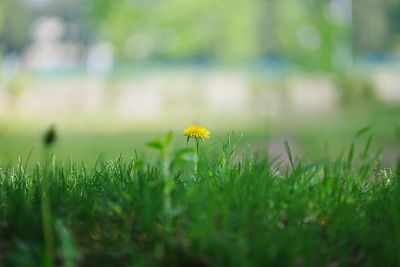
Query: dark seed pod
{"x": 50, "y": 136}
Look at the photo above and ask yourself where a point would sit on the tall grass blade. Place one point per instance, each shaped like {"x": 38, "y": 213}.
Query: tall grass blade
{"x": 362, "y": 131}
{"x": 367, "y": 147}
{"x": 350, "y": 156}
{"x": 289, "y": 153}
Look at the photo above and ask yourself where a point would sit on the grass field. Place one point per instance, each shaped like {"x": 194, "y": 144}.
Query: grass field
{"x": 313, "y": 135}
{"x": 226, "y": 206}
{"x": 98, "y": 169}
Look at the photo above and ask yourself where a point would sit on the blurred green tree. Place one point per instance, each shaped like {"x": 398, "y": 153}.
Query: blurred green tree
{"x": 15, "y": 19}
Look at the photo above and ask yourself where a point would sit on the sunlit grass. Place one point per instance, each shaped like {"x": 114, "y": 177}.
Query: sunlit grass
{"x": 239, "y": 209}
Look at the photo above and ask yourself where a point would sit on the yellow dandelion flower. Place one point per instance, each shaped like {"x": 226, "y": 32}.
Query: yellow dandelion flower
{"x": 196, "y": 131}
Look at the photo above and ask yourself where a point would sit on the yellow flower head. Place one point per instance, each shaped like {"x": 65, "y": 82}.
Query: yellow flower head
{"x": 197, "y": 132}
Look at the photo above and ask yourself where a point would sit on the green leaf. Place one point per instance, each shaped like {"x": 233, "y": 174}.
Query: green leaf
{"x": 183, "y": 156}
{"x": 168, "y": 138}
{"x": 115, "y": 208}
{"x": 187, "y": 154}
{"x": 69, "y": 249}
{"x": 156, "y": 144}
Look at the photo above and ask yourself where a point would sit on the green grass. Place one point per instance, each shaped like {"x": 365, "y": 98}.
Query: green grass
{"x": 309, "y": 132}
{"x": 239, "y": 209}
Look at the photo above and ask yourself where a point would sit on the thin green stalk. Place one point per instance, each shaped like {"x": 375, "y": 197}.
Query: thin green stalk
{"x": 47, "y": 221}
{"x": 196, "y": 160}
{"x": 47, "y": 224}
{"x": 168, "y": 188}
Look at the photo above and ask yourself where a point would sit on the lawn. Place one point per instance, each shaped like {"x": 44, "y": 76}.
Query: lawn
{"x": 312, "y": 136}
{"x": 228, "y": 205}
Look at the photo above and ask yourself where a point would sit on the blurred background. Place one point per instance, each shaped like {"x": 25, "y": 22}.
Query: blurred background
{"x": 113, "y": 74}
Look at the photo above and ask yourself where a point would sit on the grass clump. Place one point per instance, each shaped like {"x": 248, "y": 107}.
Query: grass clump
{"x": 240, "y": 209}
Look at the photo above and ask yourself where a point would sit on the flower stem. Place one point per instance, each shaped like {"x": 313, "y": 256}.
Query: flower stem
{"x": 196, "y": 161}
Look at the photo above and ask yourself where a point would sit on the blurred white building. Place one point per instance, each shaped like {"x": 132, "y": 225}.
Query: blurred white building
{"x": 387, "y": 85}
{"x": 48, "y": 51}
{"x": 100, "y": 58}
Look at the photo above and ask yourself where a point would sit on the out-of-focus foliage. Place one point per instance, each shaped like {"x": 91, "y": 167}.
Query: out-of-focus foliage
{"x": 178, "y": 29}
{"x": 376, "y": 25}
{"x": 318, "y": 34}
{"x": 15, "y": 18}
{"x": 236, "y": 30}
